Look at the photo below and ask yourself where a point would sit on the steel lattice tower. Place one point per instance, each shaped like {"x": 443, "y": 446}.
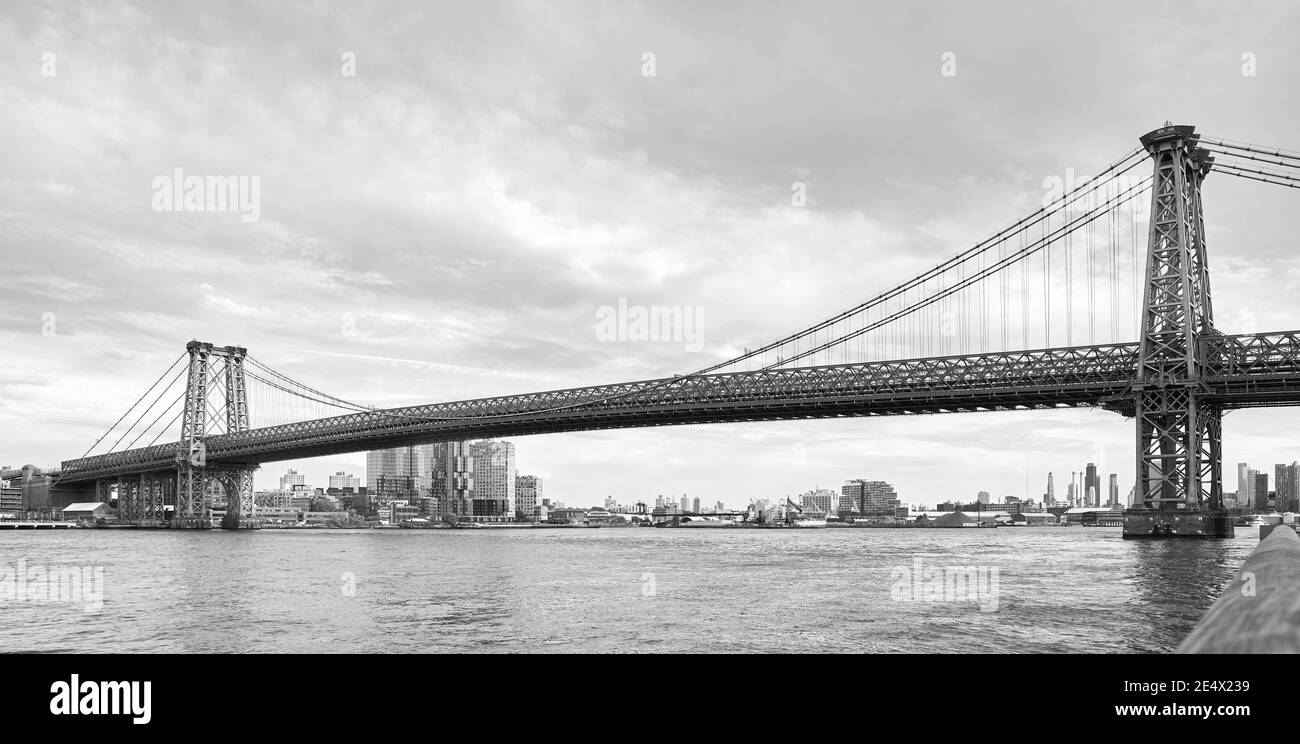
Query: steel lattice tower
{"x": 202, "y": 416}
{"x": 1178, "y": 429}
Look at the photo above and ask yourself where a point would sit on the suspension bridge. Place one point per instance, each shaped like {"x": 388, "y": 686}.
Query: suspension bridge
{"x": 1100, "y": 298}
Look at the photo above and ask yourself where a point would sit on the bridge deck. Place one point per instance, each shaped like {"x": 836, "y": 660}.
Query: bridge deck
{"x": 1248, "y": 370}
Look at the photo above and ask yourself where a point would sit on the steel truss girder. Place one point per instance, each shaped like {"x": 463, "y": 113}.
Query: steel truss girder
{"x": 142, "y": 497}
{"x": 1243, "y": 371}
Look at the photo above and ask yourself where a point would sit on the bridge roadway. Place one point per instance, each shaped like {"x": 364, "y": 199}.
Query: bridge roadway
{"x": 1246, "y": 371}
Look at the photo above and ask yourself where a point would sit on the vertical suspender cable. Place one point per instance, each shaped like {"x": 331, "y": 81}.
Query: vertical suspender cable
{"x": 1047, "y": 292}
{"x": 1092, "y": 236}
{"x": 1069, "y": 289}
{"x": 1136, "y": 315}
{"x": 1114, "y": 279}
{"x": 1024, "y": 296}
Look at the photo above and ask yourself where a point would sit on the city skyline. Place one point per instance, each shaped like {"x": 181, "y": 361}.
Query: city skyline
{"x": 1113, "y": 493}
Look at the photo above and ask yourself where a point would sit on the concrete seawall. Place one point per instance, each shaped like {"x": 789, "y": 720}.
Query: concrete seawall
{"x": 1259, "y": 612}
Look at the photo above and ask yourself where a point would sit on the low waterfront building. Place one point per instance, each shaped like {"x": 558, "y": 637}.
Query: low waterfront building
{"x": 599, "y": 516}
{"x": 276, "y": 514}
{"x": 1082, "y": 515}
{"x": 325, "y": 518}
{"x": 90, "y": 510}
{"x": 568, "y": 516}
{"x": 1037, "y": 519}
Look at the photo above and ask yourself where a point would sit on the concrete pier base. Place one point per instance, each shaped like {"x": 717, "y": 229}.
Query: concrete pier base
{"x": 237, "y": 522}
{"x": 1155, "y": 523}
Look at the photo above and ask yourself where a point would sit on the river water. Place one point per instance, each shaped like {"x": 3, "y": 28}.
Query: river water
{"x": 1081, "y": 589}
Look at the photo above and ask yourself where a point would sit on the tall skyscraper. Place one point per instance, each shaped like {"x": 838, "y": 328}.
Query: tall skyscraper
{"x": 528, "y": 495}
{"x": 494, "y": 481}
{"x": 1113, "y": 492}
{"x": 1051, "y": 491}
{"x": 1245, "y": 486}
{"x": 1261, "y": 491}
{"x": 1091, "y": 484}
{"x": 982, "y": 497}
{"x": 685, "y": 504}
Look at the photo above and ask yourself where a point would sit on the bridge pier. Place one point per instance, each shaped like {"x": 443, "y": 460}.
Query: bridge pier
{"x": 240, "y": 506}
{"x": 1179, "y": 430}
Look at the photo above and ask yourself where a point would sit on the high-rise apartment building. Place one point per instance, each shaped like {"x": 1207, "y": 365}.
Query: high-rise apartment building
{"x": 451, "y": 478}
{"x": 341, "y": 480}
{"x": 869, "y": 498}
{"x": 494, "y": 481}
{"x": 292, "y": 478}
{"x": 1113, "y": 492}
{"x": 404, "y": 469}
{"x": 528, "y": 496}
{"x": 1286, "y": 484}
{"x": 821, "y": 499}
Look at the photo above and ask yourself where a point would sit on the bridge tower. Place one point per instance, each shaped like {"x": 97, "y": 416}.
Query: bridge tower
{"x": 216, "y": 401}
{"x": 1179, "y": 459}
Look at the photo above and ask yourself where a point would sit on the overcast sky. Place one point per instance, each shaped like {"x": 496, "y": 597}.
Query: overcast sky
{"x": 447, "y": 222}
